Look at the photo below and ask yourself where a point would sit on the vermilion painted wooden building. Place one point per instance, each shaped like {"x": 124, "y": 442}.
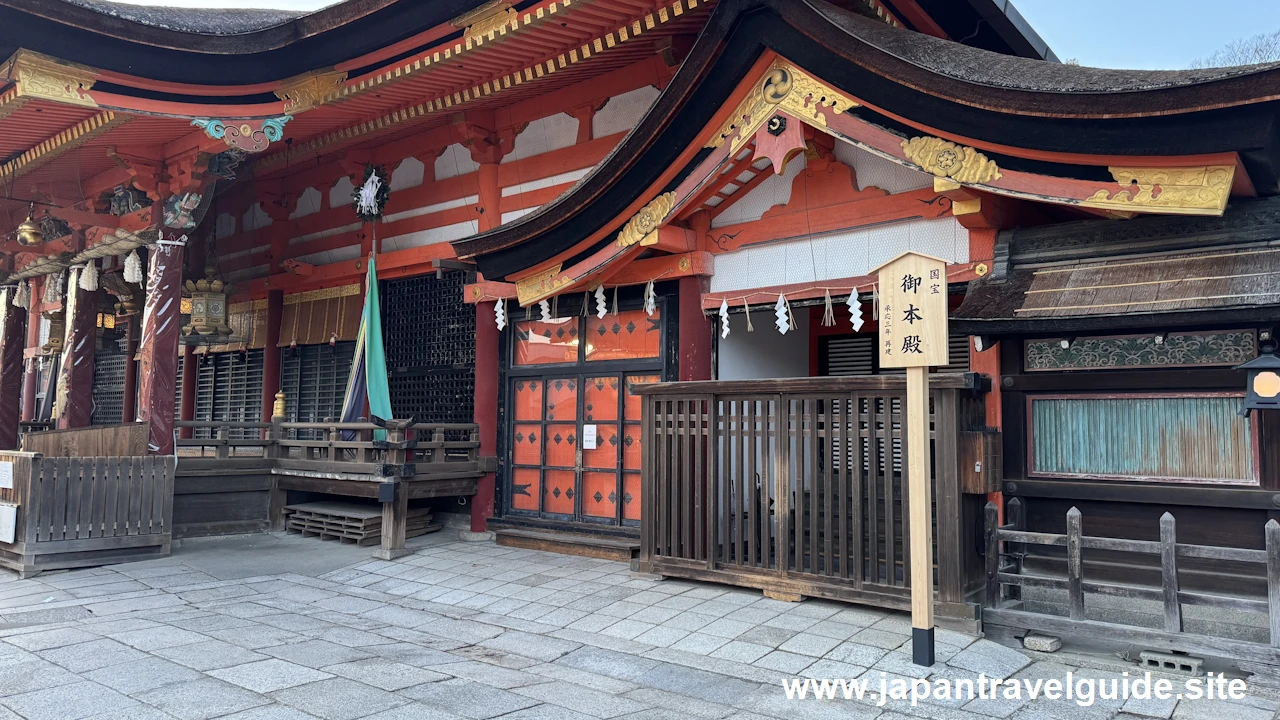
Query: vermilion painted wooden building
{"x": 592, "y": 196}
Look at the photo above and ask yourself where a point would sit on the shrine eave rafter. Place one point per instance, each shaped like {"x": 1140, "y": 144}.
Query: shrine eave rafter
{"x": 1106, "y": 141}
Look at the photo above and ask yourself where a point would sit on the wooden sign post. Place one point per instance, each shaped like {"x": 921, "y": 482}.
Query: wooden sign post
{"x": 913, "y": 335}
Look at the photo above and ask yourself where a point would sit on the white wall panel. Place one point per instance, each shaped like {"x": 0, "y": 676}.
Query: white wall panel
{"x": 622, "y": 112}
{"x": 454, "y": 161}
{"x": 445, "y": 233}
{"x": 408, "y": 173}
{"x": 546, "y": 182}
{"x": 308, "y": 203}
{"x": 873, "y": 170}
{"x": 848, "y": 253}
{"x": 775, "y": 190}
{"x": 544, "y": 135}
{"x": 340, "y": 193}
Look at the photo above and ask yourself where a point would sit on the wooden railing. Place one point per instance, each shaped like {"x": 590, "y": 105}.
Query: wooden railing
{"x": 798, "y": 487}
{"x": 1006, "y": 578}
{"x": 351, "y": 450}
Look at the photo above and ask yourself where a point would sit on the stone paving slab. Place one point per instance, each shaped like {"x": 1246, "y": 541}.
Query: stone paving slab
{"x": 467, "y": 631}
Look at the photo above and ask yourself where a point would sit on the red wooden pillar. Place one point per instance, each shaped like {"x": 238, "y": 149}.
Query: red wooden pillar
{"x": 486, "y": 409}
{"x": 157, "y": 369}
{"x": 130, "y": 410}
{"x": 987, "y": 362}
{"x": 490, "y": 192}
{"x": 13, "y": 341}
{"x": 695, "y": 332}
{"x": 76, "y": 374}
{"x": 31, "y": 380}
{"x": 271, "y": 353}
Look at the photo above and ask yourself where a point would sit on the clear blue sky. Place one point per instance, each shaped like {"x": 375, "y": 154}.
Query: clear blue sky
{"x": 1148, "y": 34}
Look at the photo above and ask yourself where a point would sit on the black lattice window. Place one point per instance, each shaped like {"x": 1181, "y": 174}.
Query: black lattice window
{"x": 229, "y": 389}
{"x": 314, "y": 381}
{"x": 108, "y": 388}
{"x": 430, "y": 342}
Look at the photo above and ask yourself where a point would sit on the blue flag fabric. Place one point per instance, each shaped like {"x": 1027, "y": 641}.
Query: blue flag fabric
{"x": 368, "y": 378}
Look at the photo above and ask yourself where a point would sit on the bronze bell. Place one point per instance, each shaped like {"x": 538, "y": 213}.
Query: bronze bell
{"x": 29, "y": 232}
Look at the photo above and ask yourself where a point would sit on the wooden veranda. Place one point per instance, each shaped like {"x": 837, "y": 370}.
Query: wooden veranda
{"x": 798, "y": 487}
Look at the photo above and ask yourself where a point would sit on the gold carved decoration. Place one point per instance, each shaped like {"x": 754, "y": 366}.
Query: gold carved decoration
{"x": 544, "y": 284}
{"x": 784, "y": 87}
{"x": 490, "y": 18}
{"x": 645, "y": 223}
{"x": 307, "y": 91}
{"x": 1176, "y": 190}
{"x": 946, "y": 159}
{"x": 43, "y": 77}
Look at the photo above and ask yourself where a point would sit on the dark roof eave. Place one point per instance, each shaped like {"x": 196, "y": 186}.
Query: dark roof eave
{"x": 855, "y": 52}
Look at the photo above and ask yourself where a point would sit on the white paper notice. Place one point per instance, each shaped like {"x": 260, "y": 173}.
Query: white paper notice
{"x": 8, "y": 523}
{"x": 588, "y": 437}
{"x": 6, "y": 475}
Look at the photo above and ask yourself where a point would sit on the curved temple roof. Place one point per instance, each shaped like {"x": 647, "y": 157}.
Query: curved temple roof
{"x": 1051, "y": 119}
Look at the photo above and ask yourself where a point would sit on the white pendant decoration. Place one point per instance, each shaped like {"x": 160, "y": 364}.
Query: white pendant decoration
{"x": 367, "y": 203}
{"x": 650, "y": 299}
{"x": 783, "y": 323}
{"x": 22, "y": 298}
{"x": 615, "y": 299}
{"x": 89, "y": 277}
{"x": 875, "y": 304}
{"x": 133, "y": 268}
{"x": 746, "y": 308}
{"x": 545, "y": 306}
{"x": 724, "y": 319}
{"x": 828, "y": 314}
{"x": 53, "y": 285}
{"x": 500, "y": 314}
{"x": 855, "y": 310}
{"x": 602, "y": 304}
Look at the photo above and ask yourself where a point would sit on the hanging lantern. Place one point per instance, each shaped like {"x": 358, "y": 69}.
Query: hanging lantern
{"x": 1263, "y": 389}
{"x": 29, "y": 231}
{"x": 57, "y": 332}
{"x": 208, "y": 324}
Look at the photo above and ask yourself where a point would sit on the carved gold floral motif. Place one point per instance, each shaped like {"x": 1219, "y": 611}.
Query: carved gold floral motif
{"x": 647, "y": 221}
{"x": 544, "y": 284}
{"x": 1175, "y": 190}
{"x": 307, "y": 91}
{"x": 946, "y": 159}
{"x": 39, "y": 76}
{"x": 491, "y": 17}
{"x": 784, "y": 87}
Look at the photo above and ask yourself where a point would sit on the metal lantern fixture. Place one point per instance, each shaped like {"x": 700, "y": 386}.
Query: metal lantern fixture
{"x": 1263, "y": 391}
{"x": 208, "y": 324}
{"x": 29, "y": 232}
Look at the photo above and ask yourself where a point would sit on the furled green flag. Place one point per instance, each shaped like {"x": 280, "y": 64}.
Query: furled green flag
{"x": 369, "y": 369}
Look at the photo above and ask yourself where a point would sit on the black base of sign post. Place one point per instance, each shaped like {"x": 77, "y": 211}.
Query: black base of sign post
{"x": 922, "y": 647}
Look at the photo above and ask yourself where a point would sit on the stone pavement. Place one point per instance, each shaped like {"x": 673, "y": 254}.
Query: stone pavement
{"x": 470, "y": 631}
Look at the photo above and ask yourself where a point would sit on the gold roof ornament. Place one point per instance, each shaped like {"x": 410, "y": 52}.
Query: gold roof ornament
{"x": 646, "y": 222}
{"x": 305, "y": 92}
{"x": 783, "y": 87}
{"x": 489, "y": 20}
{"x": 1174, "y": 190}
{"x": 946, "y": 159}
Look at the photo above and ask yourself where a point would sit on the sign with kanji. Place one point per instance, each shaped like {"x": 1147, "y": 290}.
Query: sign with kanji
{"x": 913, "y": 311}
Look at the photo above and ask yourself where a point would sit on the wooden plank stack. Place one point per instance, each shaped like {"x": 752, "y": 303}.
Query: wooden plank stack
{"x": 350, "y": 522}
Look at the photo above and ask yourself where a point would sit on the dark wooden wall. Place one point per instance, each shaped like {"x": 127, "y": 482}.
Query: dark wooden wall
{"x": 221, "y": 497}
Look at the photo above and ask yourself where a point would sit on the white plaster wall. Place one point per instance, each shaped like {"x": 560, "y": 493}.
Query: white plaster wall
{"x": 407, "y": 174}
{"x": 254, "y": 218}
{"x": 622, "y": 112}
{"x": 340, "y": 193}
{"x": 454, "y": 161}
{"x": 774, "y": 190}
{"x": 544, "y": 135}
{"x": 873, "y": 170}
{"x": 308, "y": 203}
{"x": 764, "y": 353}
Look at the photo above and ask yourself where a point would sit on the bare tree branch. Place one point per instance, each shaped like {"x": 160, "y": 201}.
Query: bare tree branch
{"x": 1260, "y": 48}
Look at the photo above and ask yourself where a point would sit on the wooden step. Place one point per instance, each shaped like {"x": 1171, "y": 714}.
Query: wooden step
{"x": 569, "y": 543}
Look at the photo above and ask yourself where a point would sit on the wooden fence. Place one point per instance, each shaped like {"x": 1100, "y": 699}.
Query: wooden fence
{"x": 1006, "y": 577}
{"x": 74, "y": 512}
{"x": 128, "y": 439}
{"x": 798, "y": 487}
